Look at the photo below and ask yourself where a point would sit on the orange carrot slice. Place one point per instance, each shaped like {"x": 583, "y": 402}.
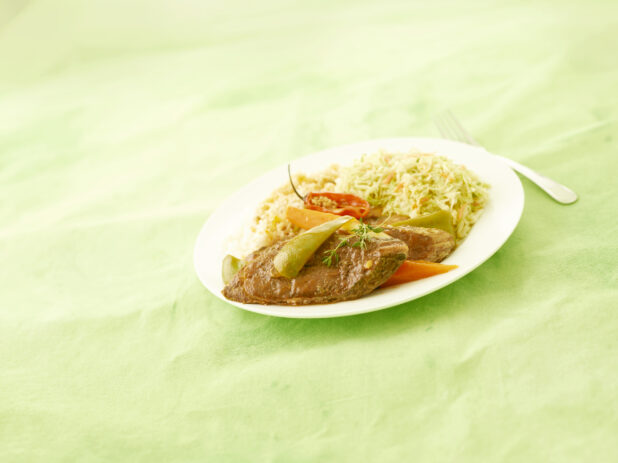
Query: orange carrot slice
{"x": 307, "y": 218}
{"x": 412, "y": 270}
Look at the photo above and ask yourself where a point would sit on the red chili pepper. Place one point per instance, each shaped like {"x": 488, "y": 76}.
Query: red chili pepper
{"x": 345, "y": 204}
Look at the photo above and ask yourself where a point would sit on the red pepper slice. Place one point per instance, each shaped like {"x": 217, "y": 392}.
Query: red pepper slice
{"x": 345, "y": 204}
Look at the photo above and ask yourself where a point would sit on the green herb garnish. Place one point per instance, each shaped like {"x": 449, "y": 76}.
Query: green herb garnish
{"x": 362, "y": 232}
{"x": 331, "y": 257}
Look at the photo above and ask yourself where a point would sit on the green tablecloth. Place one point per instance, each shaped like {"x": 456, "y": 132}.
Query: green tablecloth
{"x": 124, "y": 124}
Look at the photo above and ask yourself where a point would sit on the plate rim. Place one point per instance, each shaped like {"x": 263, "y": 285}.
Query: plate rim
{"x": 288, "y": 311}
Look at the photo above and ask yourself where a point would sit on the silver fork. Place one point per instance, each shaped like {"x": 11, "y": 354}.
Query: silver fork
{"x": 450, "y": 128}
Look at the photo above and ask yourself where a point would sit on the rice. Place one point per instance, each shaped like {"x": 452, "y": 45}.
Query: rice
{"x": 270, "y": 224}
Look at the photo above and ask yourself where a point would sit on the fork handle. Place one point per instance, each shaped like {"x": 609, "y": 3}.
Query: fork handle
{"x": 556, "y": 190}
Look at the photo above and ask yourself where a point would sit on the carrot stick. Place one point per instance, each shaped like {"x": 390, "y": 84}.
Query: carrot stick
{"x": 412, "y": 270}
{"x": 307, "y": 218}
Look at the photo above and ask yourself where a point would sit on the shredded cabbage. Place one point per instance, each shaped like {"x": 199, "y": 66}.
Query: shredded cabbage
{"x": 416, "y": 184}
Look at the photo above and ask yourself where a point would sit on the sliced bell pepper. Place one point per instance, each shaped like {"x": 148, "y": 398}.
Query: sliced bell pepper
{"x": 230, "y": 267}
{"x": 294, "y": 254}
{"x": 441, "y": 219}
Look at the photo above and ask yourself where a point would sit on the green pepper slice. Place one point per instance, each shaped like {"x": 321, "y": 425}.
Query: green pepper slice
{"x": 231, "y": 266}
{"x": 294, "y": 254}
{"x": 441, "y": 219}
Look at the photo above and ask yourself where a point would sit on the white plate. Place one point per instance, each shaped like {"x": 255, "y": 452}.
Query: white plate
{"x": 498, "y": 221}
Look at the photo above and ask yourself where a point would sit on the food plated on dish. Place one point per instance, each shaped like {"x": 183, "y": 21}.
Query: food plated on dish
{"x": 387, "y": 219}
{"x": 231, "y": 227}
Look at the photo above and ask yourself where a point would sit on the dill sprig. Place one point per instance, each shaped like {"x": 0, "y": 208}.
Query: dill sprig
{"x": 362, "y": 232}
{"x": 331, "y": 257}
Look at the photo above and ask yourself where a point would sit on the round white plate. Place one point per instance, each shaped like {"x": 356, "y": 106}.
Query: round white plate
{"x": 498, "y": 221}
